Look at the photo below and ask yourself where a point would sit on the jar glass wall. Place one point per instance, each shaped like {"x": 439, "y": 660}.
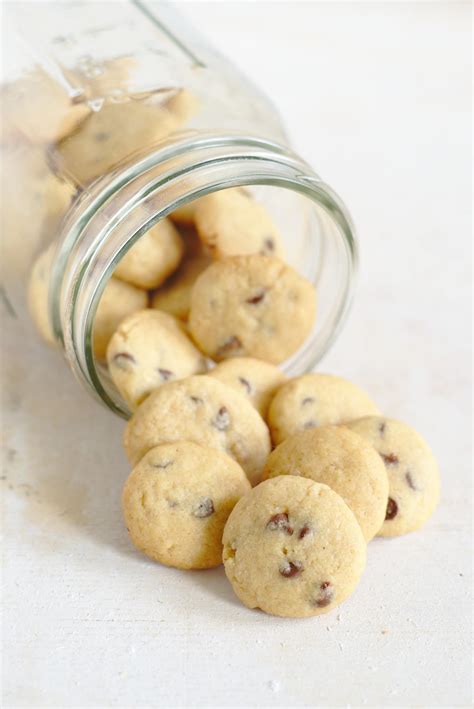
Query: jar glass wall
{"x": 113, "y": 123}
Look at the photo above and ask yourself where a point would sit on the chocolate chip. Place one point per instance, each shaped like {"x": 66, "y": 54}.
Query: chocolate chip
{"x": 325, "y": 595}
{"x": 281, "y": 523}
{"x": 382, "y": 428}
{"x": 165, "y": 374}
{"x": 232, "y": 344}
{"x": 163, "y": 466}
{"x": 269, "y": 244}
{"x": 221, "y": 420}
{"x": 307, "y": 400}
{"x": 290, "y": 569}
{"x": 304, "y": 531}
{"x": 257, "y": 298}
{"x": 245, "y": 383}
{"x": 205, "y": 508}
{"x": 390, "y": 459}
{"x": 196, "y": 399}
{"x": 392, "y": 509}
{"x": 123, "y": 360}
{"x": 171, "y": 503}
{"x": 410, "y": 482}
{"x": 310, "y": 424}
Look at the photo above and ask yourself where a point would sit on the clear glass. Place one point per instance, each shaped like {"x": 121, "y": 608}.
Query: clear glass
{"x": 133, "y": 118}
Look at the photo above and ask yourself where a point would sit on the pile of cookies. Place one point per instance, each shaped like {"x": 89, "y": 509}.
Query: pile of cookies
{"x": 292, "y": 524}
{"x": 199, "y": 371}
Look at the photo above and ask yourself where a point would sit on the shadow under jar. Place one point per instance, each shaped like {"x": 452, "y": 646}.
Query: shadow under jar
{"x": 130, "y": 116}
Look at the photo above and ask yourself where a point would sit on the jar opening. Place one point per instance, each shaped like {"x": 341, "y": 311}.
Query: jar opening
{"x": 318, "y": 234}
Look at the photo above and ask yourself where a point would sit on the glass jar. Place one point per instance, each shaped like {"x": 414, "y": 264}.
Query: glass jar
{"x": 114, "y": 120}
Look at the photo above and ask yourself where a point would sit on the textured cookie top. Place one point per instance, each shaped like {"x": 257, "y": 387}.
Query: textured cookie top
{"x": 255, "y": 379}
{"x": 251, "y": 305}
{"x": 203, "y": 410}
{"x": 148, "y": 349}
{"x": 412, "y": 472}
{"x": 231, "y": 222}
{"x": 345, "y": 462}
{"x": 316, "y": 400}
{"x": 177, "y": 500}
{"x": 293, "y": 548}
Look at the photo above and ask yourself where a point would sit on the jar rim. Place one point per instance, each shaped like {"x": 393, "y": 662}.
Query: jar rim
{"x": 187, "y": 168}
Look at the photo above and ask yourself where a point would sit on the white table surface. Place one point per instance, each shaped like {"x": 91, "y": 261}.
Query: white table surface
{"x": 376, "y": 97}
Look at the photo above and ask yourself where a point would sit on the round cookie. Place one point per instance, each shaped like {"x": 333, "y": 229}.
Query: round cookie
{"x": 253, "y": 306}
{"x": 150, "y": 261}
{"x": 203, "y": 410}
{"x": 148, "y": 349}
{"x": 177, "y": 500}
{"x": 257, "y": 380}
{"x": 110, "y": 136}
{"x": 174, "y": 296}
{"x": 412, "y": 471}
{"x": 184, "y": 214}
{"x": 293, "y": 548}
{"x": 316, "y": 400}
{"x": 230, "y": 222}
{"x": 40, "y": 109}
{"x": 345, "y": 462}
{"x": 118, "y": 300}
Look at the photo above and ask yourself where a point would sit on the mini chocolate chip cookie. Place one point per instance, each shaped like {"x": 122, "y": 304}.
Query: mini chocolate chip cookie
{"x": 412, "y": 470}
{"x": 38, "y": 290}
{"x": 203, "y": 410}
{"x": 119, "y": 299}
{"x": 231, "y": 222}
{"x": 153, "y": 257}
{"x": 148, "y": 349}
{"x": 177, "y": 500}
{"x": 40, "y": 109}
{"x": 316, "y": 400}
{"x": 257, "y": 380}
{"x": 109, "y": 136}
{"x": 253, "y": 306}
{"x": 345, "y": 462}
{"x": 293, "y": 548}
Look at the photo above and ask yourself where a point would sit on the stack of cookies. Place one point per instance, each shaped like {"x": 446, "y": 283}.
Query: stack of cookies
{"x": 285, "y": 481}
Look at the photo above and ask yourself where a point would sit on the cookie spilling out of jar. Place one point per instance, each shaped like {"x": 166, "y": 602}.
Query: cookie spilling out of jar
{"x": 283, "y": 480}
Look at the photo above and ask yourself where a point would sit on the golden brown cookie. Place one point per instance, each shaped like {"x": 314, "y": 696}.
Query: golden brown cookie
{"x": 177, "y": 501}
{"x": 293, "y": 548}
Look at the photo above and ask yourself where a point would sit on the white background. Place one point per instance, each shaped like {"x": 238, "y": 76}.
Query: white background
{"x": 377, "y": 97}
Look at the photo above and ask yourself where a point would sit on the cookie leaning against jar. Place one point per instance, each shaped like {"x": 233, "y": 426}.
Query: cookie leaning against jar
{"x": 156, "y": 255}
{"x": 176, "y": 502}
{"x": 293, "y": 548}
{"x": 315, "y": 400}
{"x": 148, "y": 349}
{"x": 344, "y": 461}
{"x": 203, "y": 410}
{"x": 253, "y": 306}
{"x": 412, "y": 471}
{"x": 255, "y": 379}
{"x": 231, "y": 222}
